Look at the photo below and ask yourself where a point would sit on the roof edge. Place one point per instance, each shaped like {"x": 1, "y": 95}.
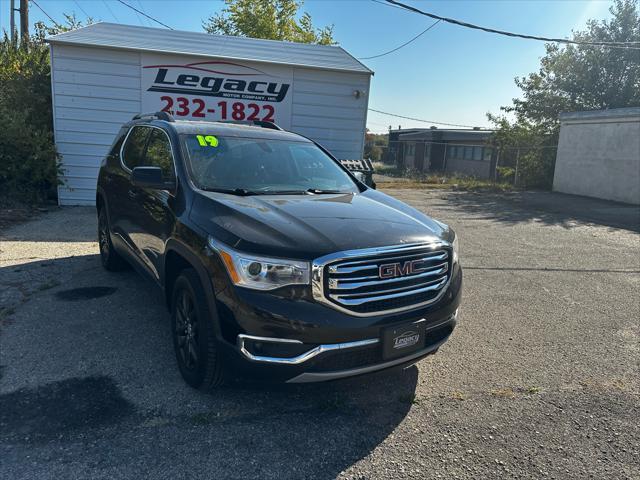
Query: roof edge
{"x": 601, "y": 114}
{"x": 59, "y": 39}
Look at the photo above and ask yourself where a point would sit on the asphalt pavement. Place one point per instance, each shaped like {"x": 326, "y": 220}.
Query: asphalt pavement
{"x": 541, "y": 379}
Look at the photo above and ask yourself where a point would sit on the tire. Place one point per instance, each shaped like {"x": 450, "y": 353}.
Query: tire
{"x": 194, "y": 340}
{"x": 111, "y": 260}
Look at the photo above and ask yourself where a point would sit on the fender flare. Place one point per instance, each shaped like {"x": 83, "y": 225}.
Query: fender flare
{"x": 192, "y": 259}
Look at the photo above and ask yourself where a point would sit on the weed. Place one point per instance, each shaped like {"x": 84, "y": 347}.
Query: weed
{"x": 457, "y": 395}
{"x": 506, "y": 392}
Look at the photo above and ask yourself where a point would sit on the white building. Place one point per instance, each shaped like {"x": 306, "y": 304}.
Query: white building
{"x": 599, "y": 154}
{"x": 104, "y": 74}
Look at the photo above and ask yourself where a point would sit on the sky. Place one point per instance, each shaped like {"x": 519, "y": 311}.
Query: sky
{"x": 450, "y": 74}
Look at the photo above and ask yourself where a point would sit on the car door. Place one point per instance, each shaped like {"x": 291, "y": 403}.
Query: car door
{"x": 154, "y": 213}
{"x": 124, "y": 207}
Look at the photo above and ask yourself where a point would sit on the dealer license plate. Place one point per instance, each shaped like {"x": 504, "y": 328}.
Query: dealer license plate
{"x": 403, "y": 340}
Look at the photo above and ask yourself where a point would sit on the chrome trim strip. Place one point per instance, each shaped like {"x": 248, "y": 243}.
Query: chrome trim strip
{"x": 319, "y": 264}
{"x": 399, "y": 294}
{"x": 303, "y": 357}
{"x": 349, "y": 284}
{"x": 323, "y": 377}
{"x": 347, "y": 269}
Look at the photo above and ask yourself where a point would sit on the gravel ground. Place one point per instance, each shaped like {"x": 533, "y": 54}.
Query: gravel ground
{"x": 540, "y": 380}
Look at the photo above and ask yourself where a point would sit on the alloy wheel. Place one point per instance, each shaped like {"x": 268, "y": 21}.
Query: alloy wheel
{"x": 103, "y": 236}
{"x": 186, "y": 326}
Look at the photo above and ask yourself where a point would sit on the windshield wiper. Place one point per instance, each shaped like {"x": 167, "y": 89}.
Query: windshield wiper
{"x": 319, "y": 190}
{"x": 243, "y": 192}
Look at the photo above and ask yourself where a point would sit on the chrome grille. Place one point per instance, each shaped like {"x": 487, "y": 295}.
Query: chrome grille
{"x": 383, "y": 280}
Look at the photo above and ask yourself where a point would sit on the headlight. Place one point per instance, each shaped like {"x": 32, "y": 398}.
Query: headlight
{"x": 261, "y": 273}
{"x": 454, "y": 246}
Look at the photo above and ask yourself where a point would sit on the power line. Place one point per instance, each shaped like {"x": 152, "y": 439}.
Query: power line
{"x": 143, "y": 9}
{"x": 404, "y": 44}
{"x": 626, "y": 45}
{"x": 148, "y": 16}
{"x": 110, "y": 11}
{"x": 81, "y": 9}
{"x": 48, "y": 16}
{"x": 425, "y": 121}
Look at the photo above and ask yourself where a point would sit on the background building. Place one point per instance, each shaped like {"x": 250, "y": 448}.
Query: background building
{"x": 104, "y": 74}
{"x": 443, "y": 150}
{"x": 599, "y": 154}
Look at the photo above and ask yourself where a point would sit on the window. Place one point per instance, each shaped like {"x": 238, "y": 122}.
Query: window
{"x": 477, "y": 153}
{"x": 468, "y": 153}
{"x": 487, "y": 154}
{"x": 411, "y": 148}
{"x": 134, "y": 147}
{"x": 263, "y": 166}
{"x": 159, "y": 154}
{"x": 452, "y": 152}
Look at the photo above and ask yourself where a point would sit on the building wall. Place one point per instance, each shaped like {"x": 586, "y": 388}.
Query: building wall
{"x": 481, "y": 168}
{"x": 326, "y": 110}
{"x": 599, "y": 155}
{"x": 96, "y": 90}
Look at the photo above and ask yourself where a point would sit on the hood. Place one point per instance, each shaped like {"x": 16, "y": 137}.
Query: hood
{"x": 310, "y": 226}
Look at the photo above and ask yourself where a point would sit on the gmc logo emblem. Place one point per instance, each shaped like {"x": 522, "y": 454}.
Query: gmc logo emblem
{"x": 392, "y": 270}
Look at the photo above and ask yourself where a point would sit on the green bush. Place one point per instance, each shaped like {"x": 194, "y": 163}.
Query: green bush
{"x": 29, "y": 162}
{"x": 535, "y": 169}
{"x": 506, "y": 174}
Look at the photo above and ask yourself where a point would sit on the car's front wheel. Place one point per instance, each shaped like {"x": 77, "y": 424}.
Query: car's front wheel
{"x": 194, "y": 339}
{"x": 110, "y": 259}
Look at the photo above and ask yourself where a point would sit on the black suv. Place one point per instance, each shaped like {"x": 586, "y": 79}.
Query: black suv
{"x": 275, "y": 261}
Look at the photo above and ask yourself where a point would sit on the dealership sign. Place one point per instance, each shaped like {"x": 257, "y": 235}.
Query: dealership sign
{"x": 216, "y": 89}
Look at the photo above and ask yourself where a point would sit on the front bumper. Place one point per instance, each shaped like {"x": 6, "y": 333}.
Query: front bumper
{"x": 324, "y": 344}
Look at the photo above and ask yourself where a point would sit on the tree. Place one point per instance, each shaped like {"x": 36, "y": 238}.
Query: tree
{"x": 573, "y": 78}
{"x": 269, "y": 19}
{"x": 28, "y": 158}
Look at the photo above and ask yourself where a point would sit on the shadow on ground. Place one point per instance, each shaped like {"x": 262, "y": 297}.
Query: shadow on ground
{"x": 60, "y": 224}
{"x": 90, "y": 380}
{"x": 546, "y": 207}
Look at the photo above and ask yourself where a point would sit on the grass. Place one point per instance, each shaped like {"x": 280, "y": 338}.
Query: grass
{"x": 415, "y": 179}
{"x": 513, "y": 392}
{"x": 457, "y": 395}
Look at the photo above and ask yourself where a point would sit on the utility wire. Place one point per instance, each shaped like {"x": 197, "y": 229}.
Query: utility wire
{"x": 144, "y": 10}
{"x": 81, "y": 9}
{"x": 629, "y": 45}
{"x": 48, "y": 16}
{"x": 425, "y": 121}
{"x": 148, "y": 16}
{"x": 110, "y": 11}
{"x": 404, "y": 44}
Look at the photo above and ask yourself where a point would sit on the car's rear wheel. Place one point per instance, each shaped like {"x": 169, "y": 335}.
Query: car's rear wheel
{"x": 194, "y": 339}
{"x": 110, "y": 259}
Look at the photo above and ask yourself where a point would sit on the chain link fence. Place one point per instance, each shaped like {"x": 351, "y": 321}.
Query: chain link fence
{"x": 527, "y": 167}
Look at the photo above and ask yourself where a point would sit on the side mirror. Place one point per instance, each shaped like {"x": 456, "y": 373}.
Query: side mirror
{"x": 150, "y": 177}
{"x": 364, "y": 178}
{"x": 360, "y": 176}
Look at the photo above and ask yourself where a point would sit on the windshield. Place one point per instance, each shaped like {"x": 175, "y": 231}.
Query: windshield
{"x": 255, "y": 165}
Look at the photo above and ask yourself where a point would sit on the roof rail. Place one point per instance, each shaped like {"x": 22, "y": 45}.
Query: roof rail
{"x": 256, "y": 123}
{"x": 167, "y": 117}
